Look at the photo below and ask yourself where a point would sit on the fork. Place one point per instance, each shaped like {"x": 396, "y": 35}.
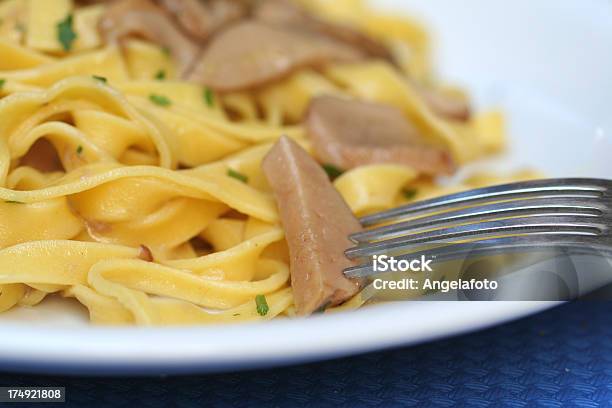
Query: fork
{"x": 570, "y": 213}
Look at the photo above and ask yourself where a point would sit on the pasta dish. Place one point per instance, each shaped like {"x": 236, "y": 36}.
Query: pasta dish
{"x": 191, "y": 162}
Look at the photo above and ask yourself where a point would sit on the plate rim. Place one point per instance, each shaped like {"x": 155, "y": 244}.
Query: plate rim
{"x": 232, "y": 347}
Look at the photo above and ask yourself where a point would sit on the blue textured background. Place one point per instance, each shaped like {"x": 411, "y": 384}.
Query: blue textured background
{"x": 559, "y": 358}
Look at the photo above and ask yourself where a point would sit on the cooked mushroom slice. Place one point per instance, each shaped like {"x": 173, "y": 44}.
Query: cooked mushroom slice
{"x": 445, "y": 105}
{"x": 200, "y": 19}
{"x": 42, "y": 156}
{"x": 317, "y": 224}
{"x": 349, "y": 133}
{"x": 251, "y": 53}
{"x": 286, "y": 12}
{"x": 142, "y": 18}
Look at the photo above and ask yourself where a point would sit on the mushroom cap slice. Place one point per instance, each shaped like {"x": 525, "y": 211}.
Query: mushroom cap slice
{"x": 351, "y": 133}
{"x": 249, "y": 54}
{"x": 444, "y": 105}
{"x": 201, "y": 19}
{"x": 317, "y": 224}
{"x": 144, "y": 19}
{"x": 286, "y": 12}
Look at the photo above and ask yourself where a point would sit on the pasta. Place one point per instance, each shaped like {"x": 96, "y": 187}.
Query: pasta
{"x": 123, "y": 185}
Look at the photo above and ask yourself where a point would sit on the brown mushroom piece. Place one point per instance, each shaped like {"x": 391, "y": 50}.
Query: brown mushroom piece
{"x": 250, "y": 54}
{"x": 446, "y": 106}
{"x": 317, "y": 223}
{"x": 200, "y": 18}
{"x": 42, "y": 156}
{"x": 144, "y": 19}
{"x": 286, "y": 12}
{"x": 351, "y": 133}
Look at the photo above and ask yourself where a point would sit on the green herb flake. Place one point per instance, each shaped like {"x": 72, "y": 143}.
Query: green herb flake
{"x": 332, "y": 171}
{"x": 100, "y": 78}
{"x": 322, "y": 308}
{"x": 209, "y": 97}
{"x": 79, "y": 150}
{"x": 2, "y": 82}
{"x": 160, "y": 100}
{"x": 13, "y": 202}
{"x": 236, "y": 314}
{"x": 237, "y": 175}
{"x": 262, "y": 305}
{"x": 65, "y": 32}
{"x": 409, "y": 193}
{"x": 161, "y": 75}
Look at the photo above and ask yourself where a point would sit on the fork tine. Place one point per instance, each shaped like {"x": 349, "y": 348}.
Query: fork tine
{"x": 567, "y": 187}
{"x": 562, "y": 225}
{"x": 577, "y": 245}
{"x": 525, "y": 208}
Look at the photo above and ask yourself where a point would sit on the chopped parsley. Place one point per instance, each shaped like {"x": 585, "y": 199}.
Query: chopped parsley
{"x": 2, "y": 82}
{"x": 209, "y": 97}
{"x": 237, "y": 175}
{"x": 322, "y": 308}
{"x": 100, "y": 78}
{"x": 79, "y": 150}
{"x": 236, "y": 314}
{"x": 262, "y": 305}
{"x": 65, "y": 32}
{"x": 160, "y": 100}
{"x": 13, "y": 202}
{"x": 332, "y": 171}
{"x": 409, "y": 193}
{"x": 161, "y": 75}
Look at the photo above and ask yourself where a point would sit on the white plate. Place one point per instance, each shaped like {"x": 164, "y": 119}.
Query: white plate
{"x": 548, "y": 64}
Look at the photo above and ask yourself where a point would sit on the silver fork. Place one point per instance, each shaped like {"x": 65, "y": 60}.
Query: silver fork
{"x": 572, "y": 213}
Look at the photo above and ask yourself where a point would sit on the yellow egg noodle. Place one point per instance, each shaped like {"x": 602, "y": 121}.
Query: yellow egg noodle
{"x": 115, "y": 229}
